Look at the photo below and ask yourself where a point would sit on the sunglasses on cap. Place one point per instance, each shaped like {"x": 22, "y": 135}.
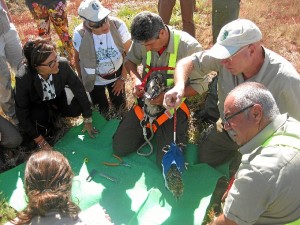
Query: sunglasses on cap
{"x": 95, "y": 25}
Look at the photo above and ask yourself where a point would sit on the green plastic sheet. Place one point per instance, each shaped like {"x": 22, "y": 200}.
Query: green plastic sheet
{"x": 139, "y": 196}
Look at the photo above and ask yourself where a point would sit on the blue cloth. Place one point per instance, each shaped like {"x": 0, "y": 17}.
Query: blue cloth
{"x": 173, "y": 156}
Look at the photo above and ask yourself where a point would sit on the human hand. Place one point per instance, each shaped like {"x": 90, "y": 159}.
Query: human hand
{"x": 138, "y": 91}
{"x": 224, "y": 196}
{"x": 88, "y": 126}
{"x": 219, "y": 125}
{"x": 158, "y": 100}
{"x": 173, "y": 97}
{"x": 118, "y": 87}
{"x": 46, "y": 147}
{"x": 42, "y": 143}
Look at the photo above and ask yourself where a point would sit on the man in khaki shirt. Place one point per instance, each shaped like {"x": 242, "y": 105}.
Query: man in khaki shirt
{"x": 152, "y": 38}
{"x": 266, "y": 186}
{"x": 238, "y": 56}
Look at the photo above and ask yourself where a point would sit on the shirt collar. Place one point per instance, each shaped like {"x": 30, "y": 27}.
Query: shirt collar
{"x": 264, "y": 134}
{"x": 48, "y": 80}
{"x": 170, "y": 47}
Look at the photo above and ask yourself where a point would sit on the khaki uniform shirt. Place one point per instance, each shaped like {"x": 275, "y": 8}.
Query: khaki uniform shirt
{"x": 277, "y": 74}
{"x": 266, "y": 189}
{"x": 187, "y": 46}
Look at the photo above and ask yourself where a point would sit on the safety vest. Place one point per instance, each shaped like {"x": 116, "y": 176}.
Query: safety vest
{"x": 172, "y": 60}
{"x": 170, "y": 81}
{"x": 282, "y": 140}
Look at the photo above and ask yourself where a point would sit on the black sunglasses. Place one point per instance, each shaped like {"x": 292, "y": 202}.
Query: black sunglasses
{"x": 98, "y": 24}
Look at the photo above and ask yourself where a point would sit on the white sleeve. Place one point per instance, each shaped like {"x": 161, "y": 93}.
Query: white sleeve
{"x": 123, "y": 30}
{"x": 77, "y": 39}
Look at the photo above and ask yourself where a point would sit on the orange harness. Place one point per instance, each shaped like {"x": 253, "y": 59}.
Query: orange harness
{"x": 139, "y": 112}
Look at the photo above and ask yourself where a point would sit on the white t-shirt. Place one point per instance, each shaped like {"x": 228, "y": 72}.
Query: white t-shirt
{"x": 109, "y": 58}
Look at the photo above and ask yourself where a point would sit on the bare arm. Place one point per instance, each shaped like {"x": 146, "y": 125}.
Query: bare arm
{"x": 77, "y": 65}
{"x": 136, "y": 78}
{"x": 222, "y": 220}
{"x": 132, "y": 70}
{"x": 118, "y": 86}
{"x": 173, "y": 97}
{"x": 127, "y": 45}
{"x": 182, "y": 71}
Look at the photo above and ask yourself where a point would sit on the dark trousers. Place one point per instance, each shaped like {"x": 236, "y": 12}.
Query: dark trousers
{"x": 44, "y": 115}
{"x": 129, "y": 135}
{"x": 10, "y": 137}
{"x": 223, "y": 12}
{"x": 216, "y": 147}
{"x": 99, "y": 98}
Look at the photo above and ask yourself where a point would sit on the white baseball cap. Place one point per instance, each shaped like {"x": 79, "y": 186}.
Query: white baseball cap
{"x": 92, "y": 10}
{"x": 233, "y": 36}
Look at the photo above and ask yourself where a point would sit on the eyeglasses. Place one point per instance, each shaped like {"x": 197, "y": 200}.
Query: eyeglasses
{"x": 227, "y": 118}
{"x": 98, "y": 24}
{"x": 52, "y": 63}
{"x": 229, "y": 59}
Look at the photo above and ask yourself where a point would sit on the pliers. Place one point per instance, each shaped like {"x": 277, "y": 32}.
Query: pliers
{"x": 120, "y": 163}
{"x": 95, "y": 172}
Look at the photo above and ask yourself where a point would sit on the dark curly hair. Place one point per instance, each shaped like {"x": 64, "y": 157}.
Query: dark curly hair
{"x": 48, "y": 183}
{"x": 146, "y": 26}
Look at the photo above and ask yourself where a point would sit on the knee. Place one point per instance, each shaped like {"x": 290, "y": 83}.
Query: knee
{"x": 120, "y": 147}
{"x": 117, "y": 148}
{"x": 205, "y": 156}
{"x": 13, "y": 142}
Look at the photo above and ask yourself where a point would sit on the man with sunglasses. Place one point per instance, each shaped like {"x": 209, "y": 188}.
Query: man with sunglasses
{"x": 101, "y": 42}
{"x": 238, "y": 56}
{"x": 266, "y": 186}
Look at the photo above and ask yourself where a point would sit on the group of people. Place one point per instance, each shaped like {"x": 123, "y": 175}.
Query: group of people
{"x": 257, "y": 102}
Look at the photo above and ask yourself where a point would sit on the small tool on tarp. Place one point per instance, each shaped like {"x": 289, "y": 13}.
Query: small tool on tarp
{"x": 119, "y": 163}
{"x": 95, "y": 172}
{"x": 173, "y": 165}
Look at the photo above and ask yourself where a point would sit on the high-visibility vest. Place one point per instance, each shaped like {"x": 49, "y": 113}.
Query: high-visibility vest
{"x": 172, "y": 58}
{"x": 283, "y": 140}
{"x": 170, "y": 81}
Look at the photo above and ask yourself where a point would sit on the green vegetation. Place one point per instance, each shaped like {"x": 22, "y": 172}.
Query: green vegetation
{"x": 6, "y": 212}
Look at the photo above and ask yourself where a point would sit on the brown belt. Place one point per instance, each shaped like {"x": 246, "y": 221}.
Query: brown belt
{"x": 113, "y": 75}
{"x": 108, "y": 76}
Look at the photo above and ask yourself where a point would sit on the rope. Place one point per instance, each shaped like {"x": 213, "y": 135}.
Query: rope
{"x": 147, "y": 140}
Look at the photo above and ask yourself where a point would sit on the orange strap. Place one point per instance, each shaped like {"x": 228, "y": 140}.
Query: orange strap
{"x": 139, "y": 112}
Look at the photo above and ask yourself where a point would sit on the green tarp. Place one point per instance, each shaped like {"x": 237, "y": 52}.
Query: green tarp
{"x": 139, "y": 196}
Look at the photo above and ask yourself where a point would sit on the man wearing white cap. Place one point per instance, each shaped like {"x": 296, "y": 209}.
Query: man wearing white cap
{"x": 238, "y": 56}
{"x": 101, "y": 42}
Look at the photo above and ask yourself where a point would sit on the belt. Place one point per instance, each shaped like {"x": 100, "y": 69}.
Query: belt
{"x": 109, "y": 76}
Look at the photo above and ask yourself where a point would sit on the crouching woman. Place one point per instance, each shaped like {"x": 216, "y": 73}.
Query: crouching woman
{"x": 46, "y": 86}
